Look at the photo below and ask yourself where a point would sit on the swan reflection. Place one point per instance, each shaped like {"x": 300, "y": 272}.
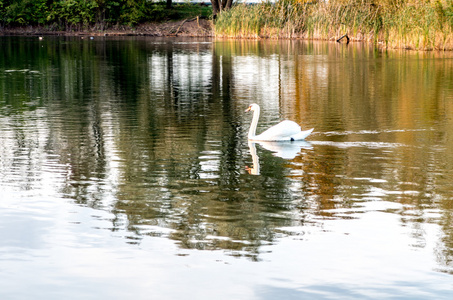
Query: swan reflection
{"x": 283, "y": 149}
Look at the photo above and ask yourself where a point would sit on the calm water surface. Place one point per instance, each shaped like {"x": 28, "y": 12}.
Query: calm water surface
{"x": 125, "y": 171}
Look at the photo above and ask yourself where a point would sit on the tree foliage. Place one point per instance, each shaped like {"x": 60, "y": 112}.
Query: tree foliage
{"x": 80, "y": 12}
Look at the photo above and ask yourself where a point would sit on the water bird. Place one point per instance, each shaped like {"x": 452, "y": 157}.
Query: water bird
{"x": 283, "y": 131}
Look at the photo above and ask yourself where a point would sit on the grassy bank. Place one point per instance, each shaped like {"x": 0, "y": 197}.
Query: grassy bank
{"x": 412, "y": 24}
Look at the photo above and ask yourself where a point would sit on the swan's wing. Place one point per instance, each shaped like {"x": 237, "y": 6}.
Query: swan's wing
{"x": 302, "y": 135}
{"x": 281, "y": 131}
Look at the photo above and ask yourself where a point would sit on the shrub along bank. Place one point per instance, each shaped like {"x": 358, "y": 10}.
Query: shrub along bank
{"x": 82, "y": 14}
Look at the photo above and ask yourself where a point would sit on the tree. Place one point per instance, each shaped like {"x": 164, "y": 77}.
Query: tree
{"x": 220, "y": 5}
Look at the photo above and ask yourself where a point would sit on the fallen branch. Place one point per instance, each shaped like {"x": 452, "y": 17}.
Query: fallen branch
{"x": 184, "y": 21}
{"x": 344, "y": 36}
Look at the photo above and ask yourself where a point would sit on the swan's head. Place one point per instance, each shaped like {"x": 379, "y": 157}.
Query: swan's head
{"x": 252, "y": 107}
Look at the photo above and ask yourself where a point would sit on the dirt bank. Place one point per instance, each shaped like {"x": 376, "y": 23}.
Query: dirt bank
{"x": 195, "y": 27}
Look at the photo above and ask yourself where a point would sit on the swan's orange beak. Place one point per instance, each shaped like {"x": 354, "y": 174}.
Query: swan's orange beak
{"x": 248, "y": 109}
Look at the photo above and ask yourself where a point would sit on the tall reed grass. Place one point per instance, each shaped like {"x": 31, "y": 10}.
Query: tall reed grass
{"x": 408, "y": 24}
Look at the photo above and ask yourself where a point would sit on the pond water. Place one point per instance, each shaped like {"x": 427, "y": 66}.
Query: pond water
{"x": 125, "y": 170}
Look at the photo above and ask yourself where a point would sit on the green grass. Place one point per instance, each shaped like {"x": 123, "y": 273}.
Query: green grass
{"x": 188, "y": 11}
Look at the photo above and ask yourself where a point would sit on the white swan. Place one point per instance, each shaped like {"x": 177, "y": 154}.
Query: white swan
{"x": 283, "y": 131}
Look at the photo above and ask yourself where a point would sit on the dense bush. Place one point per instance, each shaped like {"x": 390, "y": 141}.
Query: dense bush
{"x": 80, "y": 12}
{"x": 24, "y": 12}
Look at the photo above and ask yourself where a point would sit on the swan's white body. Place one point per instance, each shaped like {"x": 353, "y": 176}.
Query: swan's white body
{"x": 283, "y": 131}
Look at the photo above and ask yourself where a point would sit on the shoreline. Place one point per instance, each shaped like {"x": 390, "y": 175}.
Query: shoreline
{"x": 194, "y": 27}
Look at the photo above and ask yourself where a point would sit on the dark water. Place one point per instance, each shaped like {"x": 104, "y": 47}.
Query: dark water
{"x": 125, "y": 171}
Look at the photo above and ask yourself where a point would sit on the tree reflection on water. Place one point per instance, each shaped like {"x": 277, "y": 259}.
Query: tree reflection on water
{"x": 154, "y": 131}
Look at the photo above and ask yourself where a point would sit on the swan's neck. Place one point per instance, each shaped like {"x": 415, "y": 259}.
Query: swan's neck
{"x": 256, "y": 116}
